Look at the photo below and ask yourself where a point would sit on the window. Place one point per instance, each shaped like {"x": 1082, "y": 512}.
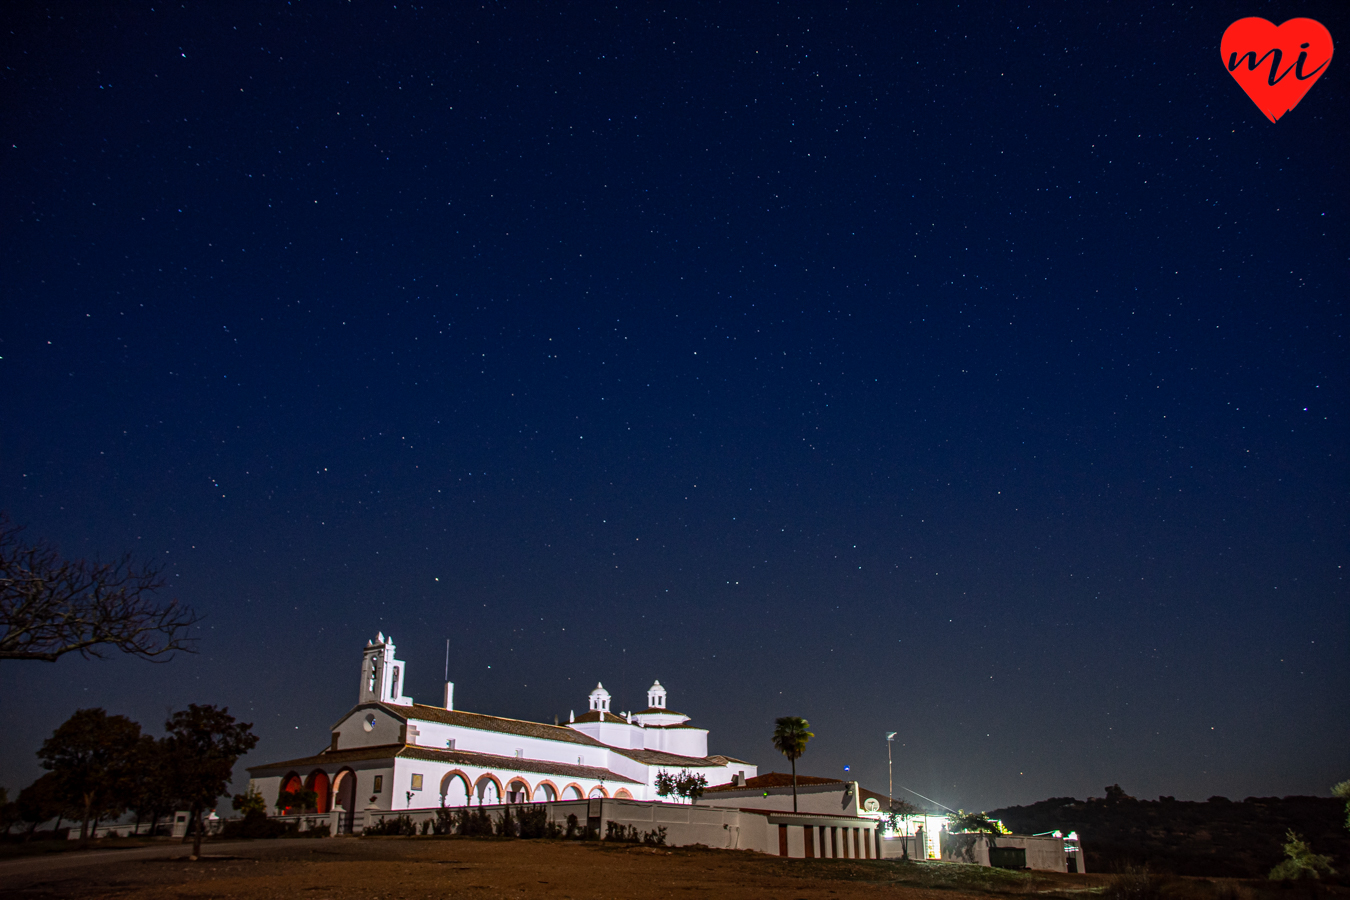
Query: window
{"x": 393, "y": 690}
{"x": 417, "y": 782}
{"x": 450, "y": 744}
{"x": 379, "y": 784}
{"x": 520, "y": 754}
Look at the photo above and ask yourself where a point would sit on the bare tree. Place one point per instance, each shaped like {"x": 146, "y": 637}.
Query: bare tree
{"x": 50, "y": 606}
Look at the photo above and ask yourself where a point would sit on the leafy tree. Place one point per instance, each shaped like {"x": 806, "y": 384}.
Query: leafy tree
{"x": 685, "y": 785}
{"x": 665, "y": 784}
{"x": 896, "y": 818}
{"x": 964, "y": 830}
{"x": 300, "y": 800}
{"x": 251, "y": 803}
{"x": 150, "y": 792}
{"x": 202, "y": 746}
{"x": 1300, "y": 862}
{"x": 691, "y": 785}
{"x": 50, "y": 606}
{"x": 790, "y": 735}
{"x": 9, "y": 811}
{"x": 1342, "y": 790}
{"x": 963, "y": 822}
{"x": 39, "y": 802}
{"x": 92, "y": 755}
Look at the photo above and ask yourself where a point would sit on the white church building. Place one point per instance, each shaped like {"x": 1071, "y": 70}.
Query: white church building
{"x": 389, "y": 753}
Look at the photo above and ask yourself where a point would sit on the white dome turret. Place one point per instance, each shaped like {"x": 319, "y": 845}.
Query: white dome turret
{"x": 656, "y": 696}
{"x": 599, "y": 699}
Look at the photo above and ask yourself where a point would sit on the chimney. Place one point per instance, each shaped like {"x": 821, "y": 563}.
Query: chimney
{"x": 450, "y": 695}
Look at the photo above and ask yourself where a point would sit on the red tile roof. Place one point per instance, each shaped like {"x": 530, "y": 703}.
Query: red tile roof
{"x": 774, "y": 780}
{"x": 335, "y": 758}
{"x": 597, "y": 716}
{"x": 418, "y": 712}
{"x": 658, "y": 710}
{"x": 659, "y": 758}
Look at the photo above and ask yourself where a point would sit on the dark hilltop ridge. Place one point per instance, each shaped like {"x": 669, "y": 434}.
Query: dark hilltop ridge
{"x": 1213, "y": 838}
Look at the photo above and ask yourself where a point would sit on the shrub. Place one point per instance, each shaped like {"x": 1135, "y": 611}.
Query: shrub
{"x": 1300, "y": 862}
{"x": 474, "y": 822}
{"x": 401, "y": 825}
{"x": 250, "y": 802}
{"x": 1134, "y": 883}
{"x": 256, "y": 824}
{"x": 445, "y": 821}
{"x": 322, "y": 830}
{"x": 534, "y": 823}
{"x": 627, "y": 834}
{"x": 506, "y": 825}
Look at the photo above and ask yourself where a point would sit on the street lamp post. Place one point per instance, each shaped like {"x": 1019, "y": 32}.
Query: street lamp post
{"x": 890, "y": 771}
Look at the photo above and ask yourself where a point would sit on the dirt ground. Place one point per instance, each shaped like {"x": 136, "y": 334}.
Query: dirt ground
{"x": 390, "y": 868}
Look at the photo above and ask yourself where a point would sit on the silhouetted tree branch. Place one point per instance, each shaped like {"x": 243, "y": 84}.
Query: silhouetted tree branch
{"x": 50, "y": 606}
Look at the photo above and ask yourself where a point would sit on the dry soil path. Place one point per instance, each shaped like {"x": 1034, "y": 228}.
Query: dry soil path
{"x": 53, "y": 865}
{"x": 441, "y": 869}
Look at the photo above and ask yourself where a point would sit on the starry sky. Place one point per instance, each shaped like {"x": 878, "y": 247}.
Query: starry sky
{"x": 976, "y": 373}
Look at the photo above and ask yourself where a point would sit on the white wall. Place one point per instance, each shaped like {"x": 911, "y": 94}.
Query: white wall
{"x": 269, "y": 786}
{"x": 437, "y": 735}
{"x": 434, "y": 772}
{"x": 820, "y": 799}
{"x": 681, "y": 741}
{"x": 352, "y": 731}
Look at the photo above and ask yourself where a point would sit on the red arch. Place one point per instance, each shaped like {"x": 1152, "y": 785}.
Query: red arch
{"x": 291, "y": 782}
{"x": 319, "y": 783}
{"x": 581, "y": 792}
{"x": 468, "y": 785}
{"x": 501, "y": 792}
{"x": 557, "y": 794}
{"x": 622, "y": 794}
{"x": 600, "y": 788}
{"x": 516, "y": 779}
{"x": 344, "y": 794}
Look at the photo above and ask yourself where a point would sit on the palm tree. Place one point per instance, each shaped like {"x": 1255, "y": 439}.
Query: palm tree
{"x": 789, "y": 738}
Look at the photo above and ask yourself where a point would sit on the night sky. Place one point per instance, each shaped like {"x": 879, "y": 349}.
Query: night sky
{"x": 974, "y": 373}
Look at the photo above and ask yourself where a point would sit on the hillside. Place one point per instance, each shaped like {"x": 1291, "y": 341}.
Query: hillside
{"x": 1215, "y": 837}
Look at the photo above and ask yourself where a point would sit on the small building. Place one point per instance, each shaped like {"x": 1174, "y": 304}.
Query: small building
{"x": 921, "y": 836}
{"x": 832, "y": 818}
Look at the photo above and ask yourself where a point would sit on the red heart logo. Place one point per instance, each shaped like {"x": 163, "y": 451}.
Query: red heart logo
{"x": 1276, "y": 66}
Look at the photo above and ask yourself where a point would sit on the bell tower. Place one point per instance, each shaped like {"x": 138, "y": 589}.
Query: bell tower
{"x": 383, "y": 674}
